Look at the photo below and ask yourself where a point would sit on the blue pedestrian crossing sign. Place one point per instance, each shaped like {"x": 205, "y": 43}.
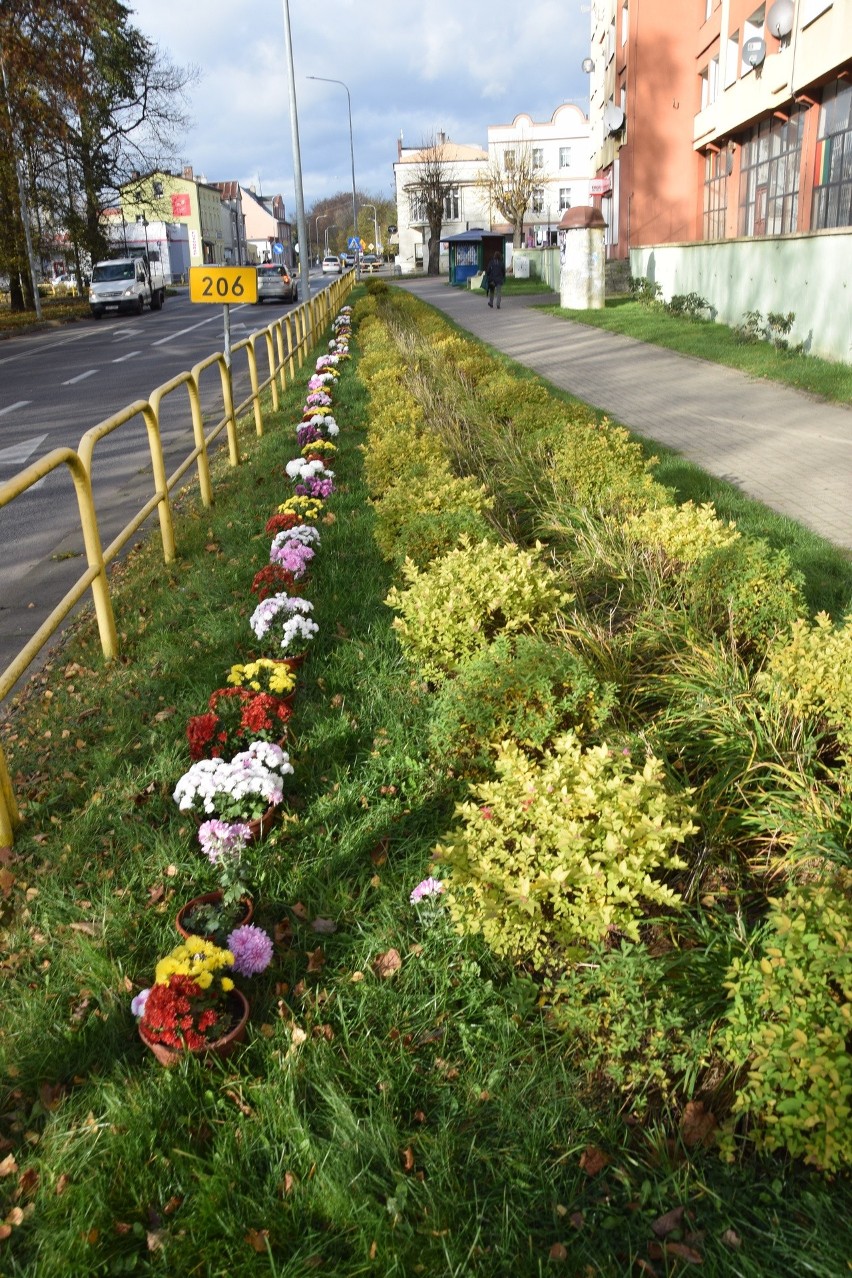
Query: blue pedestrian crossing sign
{"x": 353, "y": 242}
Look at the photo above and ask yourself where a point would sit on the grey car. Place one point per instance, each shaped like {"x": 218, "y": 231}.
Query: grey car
{"x": 276, "y": 284}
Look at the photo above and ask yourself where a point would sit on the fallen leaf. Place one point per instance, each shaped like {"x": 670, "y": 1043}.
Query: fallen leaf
{"x": 92, "y": 1236}
{"x": 683, "y": 1252}
{"x": 316, "y": 960}
{"x": 667, "y": 1224}
{"x": 7, "y": 881}
{"x": 28, "y": 1181}
{"x": 5, "y": 1232}
{"x": 577, "y": 1219}
{"x": 388, "y": 963}
{"x": 324, "y": 926}
{"x": 646, "y": 1267}
{"x": 8, "y": 1166}
{"x": 155, "y": 893}
{"x": 256, "y": 1239}
{"x": 288, "y": 1184}
{"x": 593, "y": 1160}
{"x": 62, "y": 1184}
{"x": 356, "y": 976}
{"x": 698, "y": 1125}
{"x": 323, "y": 1031}
{"x": 88, "y": 928}
{"x": 299, "y": 911}
{"x": 374, "y": 1247}
{"x": 15, "y": 1216}
{"x": 407, "y": 1157}
{"x": 731, "y": 1238}
{"x": 121, "y": 1227}
{"x": 211, "y": 547}
{"x": 558, "y": 1252}
{"x": 379, "y": 853}
{"x": 51, "y": 1094}
{"x": 162, "y": 715}
{"x": 283, "y": 932}
{"x": 154, "y": 1238}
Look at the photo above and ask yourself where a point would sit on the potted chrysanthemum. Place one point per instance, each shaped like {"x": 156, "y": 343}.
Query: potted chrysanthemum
{"x": 246, "y": 788}
{"x": 311, "y": 478}
{"x": 284, "y": 626}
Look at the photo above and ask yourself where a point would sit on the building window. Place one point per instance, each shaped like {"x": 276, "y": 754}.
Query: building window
{"x": 715, "y": 194}
{"x": 416, "y": 208}
{"x": 158, "y": 189}
{"x": 833, "y": 172}
{"x": 752, "y": 30}
{"x": 709, "y": 82}
{"x": 564, "y": 198}
{"x": 538, "y": 157}
{"x": 509, "y": 159}
{"x": 732, "y": 57}
{"x": 451, "y": 205}
{"x": 565, "y": 157}
{"x": 538, "y": 201}
{"x": 769, "y": 177}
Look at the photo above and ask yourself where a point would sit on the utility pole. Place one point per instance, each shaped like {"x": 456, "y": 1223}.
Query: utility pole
{"x": 304, "y": 242}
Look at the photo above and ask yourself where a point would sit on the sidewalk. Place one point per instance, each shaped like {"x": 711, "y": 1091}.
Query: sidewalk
{"x": 778, "y": 445}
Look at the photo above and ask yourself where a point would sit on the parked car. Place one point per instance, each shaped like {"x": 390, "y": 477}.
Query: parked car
{"x": 371, "y": 262}
{"x": 348, "y": 259}
{"x": 276, "y": 284}
{"x": 331, "y": 266}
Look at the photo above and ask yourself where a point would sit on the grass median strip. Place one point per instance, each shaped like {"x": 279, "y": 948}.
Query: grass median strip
{"x": 402, "y": 1106}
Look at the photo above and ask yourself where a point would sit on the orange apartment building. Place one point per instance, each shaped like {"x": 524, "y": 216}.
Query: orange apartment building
{"x": 724, "y": 120}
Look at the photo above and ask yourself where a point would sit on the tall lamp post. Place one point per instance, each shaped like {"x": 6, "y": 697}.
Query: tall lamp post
{"x": 375, "y": 225}
{"x": 328, "y": 230}
{"x": 304, "y": 244}
{"x": 327, "y": 80}
{"x": 321, "y": 217}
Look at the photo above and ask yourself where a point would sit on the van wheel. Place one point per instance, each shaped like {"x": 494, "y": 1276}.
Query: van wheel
{"x": 140, "y": 305}
{"x": 97, "y": 312}
{"x": 156, "y": 300}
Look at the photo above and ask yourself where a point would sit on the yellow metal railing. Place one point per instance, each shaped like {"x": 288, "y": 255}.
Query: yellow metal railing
{"x": 287, "y": 341}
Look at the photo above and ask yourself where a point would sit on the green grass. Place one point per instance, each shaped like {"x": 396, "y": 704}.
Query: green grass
{"x": 429, "y": 1123}
{"x": 719, "y": 344}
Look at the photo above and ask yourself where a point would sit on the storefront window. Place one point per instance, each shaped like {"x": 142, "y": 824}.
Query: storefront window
{"x": 832, "y": 204}
{"x": 769, "y": 177}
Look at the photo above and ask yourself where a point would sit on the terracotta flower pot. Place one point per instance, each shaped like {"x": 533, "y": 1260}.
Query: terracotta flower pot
{"x": 211, "y": 898}
{"x": 262, "y": 824}
{"x": 220, "y": 1047}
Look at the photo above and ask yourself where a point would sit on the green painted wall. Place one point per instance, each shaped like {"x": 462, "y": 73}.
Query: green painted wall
{"x": 809, "y": 274}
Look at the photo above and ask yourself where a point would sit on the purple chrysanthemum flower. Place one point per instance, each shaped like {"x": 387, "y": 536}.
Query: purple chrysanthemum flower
{"x": 223, "y": 838}
{"x": 137, "y": 1005}
{"x": 251, "y": 948}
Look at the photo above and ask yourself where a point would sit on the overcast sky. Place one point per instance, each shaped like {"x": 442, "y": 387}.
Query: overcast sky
{"x": 411, "y": 69}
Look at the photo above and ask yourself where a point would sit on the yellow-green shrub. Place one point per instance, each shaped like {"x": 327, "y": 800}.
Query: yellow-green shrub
{"x": 426, "y": 488}
{"x": 812, "y": 673}
{"x": 559, "y": 852}
{"x": 685, "y": 533}
{"x": 427, "y": 535}
{"x": 391, "y": 457}
{"x": 597, "y": 465}
{"x": 462, "y": 601}
{"x": 789, "y": 1022}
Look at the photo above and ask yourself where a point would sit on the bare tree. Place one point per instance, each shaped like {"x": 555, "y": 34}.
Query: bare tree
{"x": 432, "y": 181}
{"x": 512, "y": 185}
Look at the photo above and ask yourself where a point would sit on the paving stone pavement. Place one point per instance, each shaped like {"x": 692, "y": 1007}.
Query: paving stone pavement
{"x": 787, "y": 449}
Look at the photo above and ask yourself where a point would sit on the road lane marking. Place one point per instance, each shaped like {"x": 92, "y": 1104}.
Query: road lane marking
{"x": 129, "y": 355}
{"x": 81, "y": 377}
{"x": 182, "y": 331}
{"x": 18, "y": 455}
{"x": 21, "y": 403}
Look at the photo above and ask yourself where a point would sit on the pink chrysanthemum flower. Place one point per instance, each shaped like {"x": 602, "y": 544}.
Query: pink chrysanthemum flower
{"x": 251, "y": 948}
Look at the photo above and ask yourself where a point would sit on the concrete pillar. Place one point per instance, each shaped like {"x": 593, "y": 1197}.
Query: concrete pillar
{"x": 581, "y": 275}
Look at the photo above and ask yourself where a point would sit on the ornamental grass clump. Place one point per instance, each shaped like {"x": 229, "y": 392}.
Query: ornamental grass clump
{"x": 464, "y": 600}
{"x": 789, "y": 1021}
{"x": 562, "y": 852}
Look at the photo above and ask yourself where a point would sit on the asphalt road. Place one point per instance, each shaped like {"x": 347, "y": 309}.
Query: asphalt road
{"x": 54, "y": 386}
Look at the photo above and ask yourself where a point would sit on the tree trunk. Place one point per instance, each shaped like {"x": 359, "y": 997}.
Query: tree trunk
{"x": 518, "y": 235}
{"x": 434, "y": 267}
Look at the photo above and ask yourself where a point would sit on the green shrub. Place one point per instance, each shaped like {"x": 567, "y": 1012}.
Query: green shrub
{"x": 747, "y": 591}
{"x": 559, "y": 853}
{"x": 427, "y": 535}
{"x": 689, "y": 306}
{"x": 526, "y": 689}
{"x": 465, "y": 599}
{"x": 643, "y": 290}
{"x": 597, "y": 465}
{"x": 642, "y": 1021}
{"x": 684, "y": 533}
{"x": 789, "y": 1022}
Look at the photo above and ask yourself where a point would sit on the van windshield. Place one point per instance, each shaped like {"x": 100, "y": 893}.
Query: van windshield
{"x": 113, "y": 271}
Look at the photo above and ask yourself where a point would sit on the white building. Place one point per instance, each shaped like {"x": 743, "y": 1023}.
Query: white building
{"x": 561, "y": 149}
{"x": 465, "y": 207}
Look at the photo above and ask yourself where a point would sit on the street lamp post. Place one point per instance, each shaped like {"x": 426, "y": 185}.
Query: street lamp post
{"x": 328, "y": 230}
{"x": 297, "y": 160}
{"x": 321, "y": 217}
{"x": 375, "y": 225}
{"x": 328, "y": 80}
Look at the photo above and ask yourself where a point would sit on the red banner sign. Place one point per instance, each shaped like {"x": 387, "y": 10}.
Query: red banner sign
{"x": 181, "y": 206}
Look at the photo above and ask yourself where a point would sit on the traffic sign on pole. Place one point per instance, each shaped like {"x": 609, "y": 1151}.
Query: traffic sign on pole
{"x": 222, "y": 284}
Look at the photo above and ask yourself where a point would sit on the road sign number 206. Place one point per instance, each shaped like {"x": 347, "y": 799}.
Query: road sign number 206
{"x": 222, "y": 284}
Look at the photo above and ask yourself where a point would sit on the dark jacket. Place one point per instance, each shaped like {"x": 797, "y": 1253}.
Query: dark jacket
{"x": 495, "y": 272}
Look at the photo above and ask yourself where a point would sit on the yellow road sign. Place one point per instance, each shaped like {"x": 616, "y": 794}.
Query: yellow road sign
{"x": 221, "y": 284}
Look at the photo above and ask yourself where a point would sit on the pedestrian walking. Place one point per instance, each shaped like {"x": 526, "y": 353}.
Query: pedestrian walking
{"x": 495, "y": 274}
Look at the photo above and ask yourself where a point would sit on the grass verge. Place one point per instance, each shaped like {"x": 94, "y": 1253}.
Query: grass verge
{"x": 422, "y": 1122}
{"x": 717, "y": 343}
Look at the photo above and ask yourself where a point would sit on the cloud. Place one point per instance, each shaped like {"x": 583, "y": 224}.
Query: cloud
{"x": 409, "y": 69}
